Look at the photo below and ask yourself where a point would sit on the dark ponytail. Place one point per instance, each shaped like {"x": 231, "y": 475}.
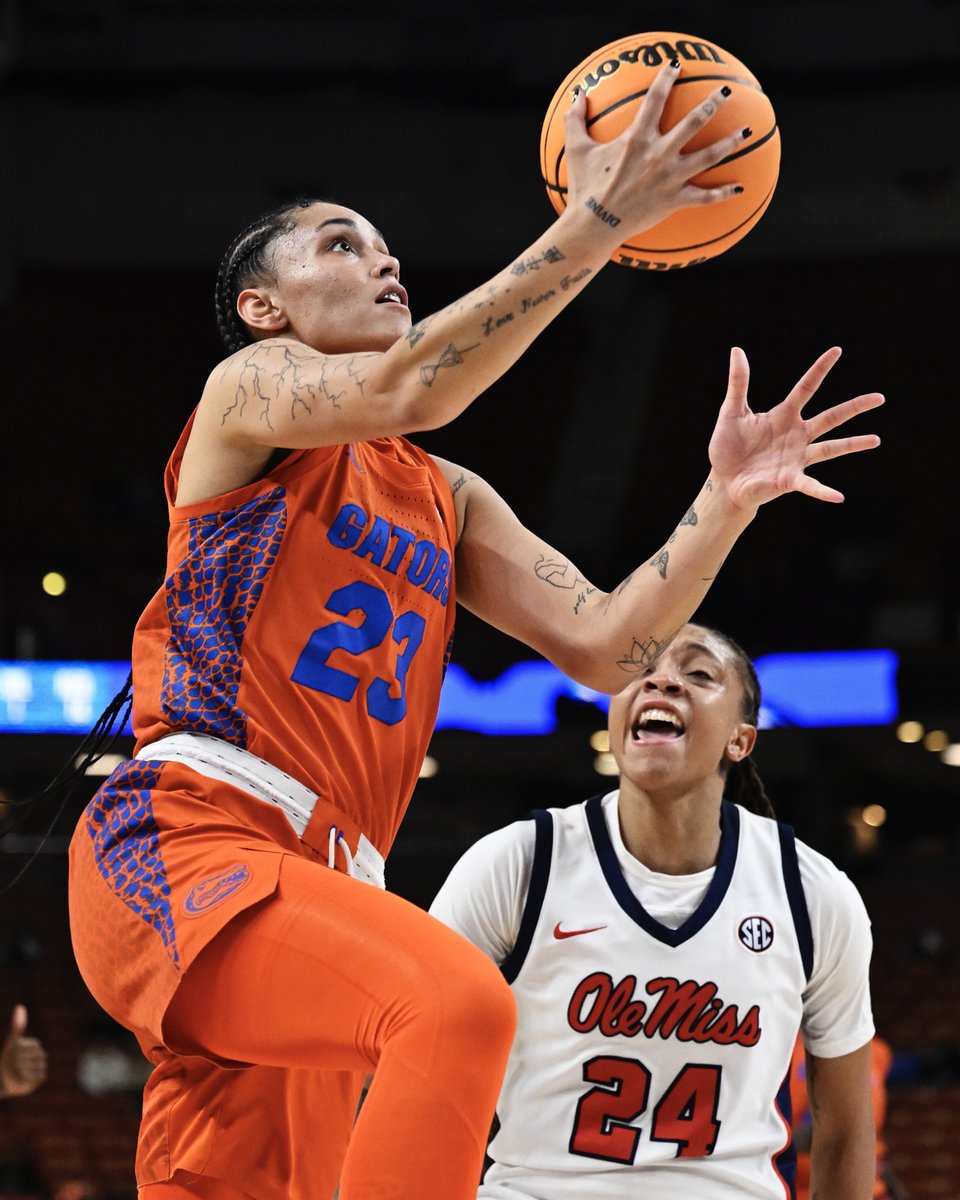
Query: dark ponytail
{"x": 744, "y": 785}
{"x": 249, "y": 261}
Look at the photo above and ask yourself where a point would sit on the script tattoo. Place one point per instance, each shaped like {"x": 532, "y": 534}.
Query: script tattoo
{"x": 582, "y": 599}
{"x": 569, "y": 280}
{"x": 451, "y": 357}
{"x": 461, "y": 482}
{"x": 690, "y": 519}
{"x": 660, "y": 562}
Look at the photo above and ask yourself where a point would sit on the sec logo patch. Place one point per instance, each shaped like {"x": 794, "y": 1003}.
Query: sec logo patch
{"x": 756, "y": 933}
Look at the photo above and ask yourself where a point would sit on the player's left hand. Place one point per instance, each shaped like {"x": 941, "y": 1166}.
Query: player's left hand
{"x": 23, "y": 1060}
{"x": 759, "y": 456}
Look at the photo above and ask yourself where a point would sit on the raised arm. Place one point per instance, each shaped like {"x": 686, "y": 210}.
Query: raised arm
{"x": 280, "y": 392}
{"x": 518, "y": 583}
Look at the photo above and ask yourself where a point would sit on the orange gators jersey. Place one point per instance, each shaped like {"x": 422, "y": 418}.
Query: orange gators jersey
{"x": 307, "y": 618}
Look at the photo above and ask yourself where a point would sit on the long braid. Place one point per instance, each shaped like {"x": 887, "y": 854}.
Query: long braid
{"x": 744, "y": 785}
{"x": 248, "y": 261}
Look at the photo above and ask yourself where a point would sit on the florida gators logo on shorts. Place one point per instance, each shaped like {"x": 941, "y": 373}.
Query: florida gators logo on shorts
{"x": 210, "y": 892}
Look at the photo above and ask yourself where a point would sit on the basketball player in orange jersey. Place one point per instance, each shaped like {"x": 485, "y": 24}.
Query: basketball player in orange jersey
{"x": 287, "y": 675}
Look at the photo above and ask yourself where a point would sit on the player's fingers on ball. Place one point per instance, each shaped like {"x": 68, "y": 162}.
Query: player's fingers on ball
{"x": 647, "y": 119}
{"x": 700, "y": 115}
{"x": 716, "y": 153}
{"x": 691, "y": 196}
{"x": 574, "y": 120}
{"x": 840, "y": 413}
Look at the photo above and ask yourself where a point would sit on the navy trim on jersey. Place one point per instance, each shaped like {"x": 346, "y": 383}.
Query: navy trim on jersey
{"x": 726, "y": 861}
{"x": 785, "y": 1163}
{"x": 539, "y": 877}
{"x": 798, "y": 901}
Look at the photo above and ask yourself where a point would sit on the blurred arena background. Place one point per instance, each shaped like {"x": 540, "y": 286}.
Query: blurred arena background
{"x": 137, "y": 136}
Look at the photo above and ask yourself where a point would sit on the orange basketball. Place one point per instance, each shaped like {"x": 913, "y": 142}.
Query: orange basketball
{"x": 616, "y": 79}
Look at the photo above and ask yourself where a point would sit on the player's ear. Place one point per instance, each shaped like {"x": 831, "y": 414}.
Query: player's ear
{"x": 740, "y": 744}
{"x": 259, "y": 310}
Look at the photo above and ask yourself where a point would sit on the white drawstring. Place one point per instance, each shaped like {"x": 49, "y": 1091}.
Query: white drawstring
{"x": 337, "y": 839}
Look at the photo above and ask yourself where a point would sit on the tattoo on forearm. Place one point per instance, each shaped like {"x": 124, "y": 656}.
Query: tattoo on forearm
{"x": 523, "y": 265}
{"x": 598, "y": 210}
{"x": 451, "y": 357}
{"x": 492, "y": 324}
{"x": 416, "y": 332}
{"x": 690, "y": 519}
{"x": 660, "y": 562}
{"x": 558, "y": 572}
{"x": 568, "y": 281}
{"x": 529, "y": 302}
{"x": 640, "y": 655}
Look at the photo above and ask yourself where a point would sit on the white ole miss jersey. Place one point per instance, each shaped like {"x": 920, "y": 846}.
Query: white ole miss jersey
{"x": 651, "y": 1062}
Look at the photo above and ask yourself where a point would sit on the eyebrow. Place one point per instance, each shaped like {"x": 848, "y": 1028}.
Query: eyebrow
{"x": 351, "y": 223}
{"x": 700, "y": 648}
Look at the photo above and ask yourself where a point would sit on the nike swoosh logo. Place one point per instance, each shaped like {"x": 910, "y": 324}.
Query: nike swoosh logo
{"x": 559, "y": 933}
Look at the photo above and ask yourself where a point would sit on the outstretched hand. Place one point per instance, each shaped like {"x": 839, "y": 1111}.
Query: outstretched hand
{"x": 23, "y": 1060}
{"x": 759, "y": 456}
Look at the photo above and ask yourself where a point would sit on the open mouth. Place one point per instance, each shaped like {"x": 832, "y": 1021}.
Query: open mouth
{"x": 394, "y": 294}
{"x": 657, "y": 725}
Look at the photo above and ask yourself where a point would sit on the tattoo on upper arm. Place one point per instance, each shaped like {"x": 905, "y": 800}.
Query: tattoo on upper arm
{"x": 582, "y": 599}
{"x": 690, "y": 519}
{"x": 640, "y": 655}
{"x": 293, "y": 383}
{"x": 558, "y": 572}
{"x": 451, "y": 357}
{"x": 462, "y": 481}
{"x": 660, "y": 562}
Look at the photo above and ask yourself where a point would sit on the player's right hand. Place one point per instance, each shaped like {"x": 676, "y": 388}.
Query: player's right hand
{"x": 643, "y": 176}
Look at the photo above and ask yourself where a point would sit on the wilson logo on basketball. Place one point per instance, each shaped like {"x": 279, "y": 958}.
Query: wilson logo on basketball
{"x": 756, "y": 933}
{"x": 651, "y": 54}
{"x": 690, "y": 1012}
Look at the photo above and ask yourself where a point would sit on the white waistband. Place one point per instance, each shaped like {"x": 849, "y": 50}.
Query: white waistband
{"x": 216, "y": 759}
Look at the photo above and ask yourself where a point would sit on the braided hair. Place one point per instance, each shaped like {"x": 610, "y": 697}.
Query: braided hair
{"x": 249, "y": 261}
{"x": 743, "y": 783}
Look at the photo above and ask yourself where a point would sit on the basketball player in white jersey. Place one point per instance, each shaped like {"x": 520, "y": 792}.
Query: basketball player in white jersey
{"x": 665, "y": 944}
